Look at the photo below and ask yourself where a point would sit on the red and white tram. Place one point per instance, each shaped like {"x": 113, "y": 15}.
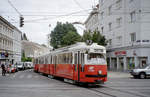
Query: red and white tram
{"x": 80, "y": 63}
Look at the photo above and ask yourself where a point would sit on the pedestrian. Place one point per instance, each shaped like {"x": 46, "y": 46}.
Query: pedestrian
{"x": 3, "y": 69}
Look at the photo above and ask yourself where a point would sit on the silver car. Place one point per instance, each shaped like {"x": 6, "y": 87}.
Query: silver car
{"x": 141, "y": 72}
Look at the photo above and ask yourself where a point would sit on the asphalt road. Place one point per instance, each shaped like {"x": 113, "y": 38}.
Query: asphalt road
{"x": 30, "y": 84}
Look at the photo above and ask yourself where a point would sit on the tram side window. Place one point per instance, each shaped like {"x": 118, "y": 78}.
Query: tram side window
{"x": 42, "y": 60}
{"x": 82, "y": 58}
{"x": 46, "y": 61}
{"x": 51, "y": 60}
{"x": 70, "y": 58}
{"x": 36, "y": 61}
{"x": 76, "y": 59}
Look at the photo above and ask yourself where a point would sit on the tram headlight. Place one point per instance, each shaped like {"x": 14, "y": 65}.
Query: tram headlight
{"x": 99, "y": 72}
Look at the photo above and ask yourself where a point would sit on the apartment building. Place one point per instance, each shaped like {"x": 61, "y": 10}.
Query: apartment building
{"x": 126, "y": 25}
{"x": 31, "y": 49}
{"x": 10, "y": 41}
{"x": 91, "y": 23}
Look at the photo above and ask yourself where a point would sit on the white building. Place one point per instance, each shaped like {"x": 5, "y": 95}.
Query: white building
{"x": 10, "y": 41}
{"x": 126, "y": 25}
{"x": 91, "y": 23}
{"x": 32, "y": 49}
{"x": 17, "y": 45}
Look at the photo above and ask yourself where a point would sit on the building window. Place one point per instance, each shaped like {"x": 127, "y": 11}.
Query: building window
{"x": 133, "y": 16}
{"x": 133, "y": 37}
{"x": 109, "y": 10}
{"x": 119, "y": 40}
{"x": 102, "y": 15}
{"x": 102, "y": 29}
{"x": 119, "y": 22}
{"x": 110, "y": 42}
{"x": 110, "y": 26}
{"x": 118, "y": 4}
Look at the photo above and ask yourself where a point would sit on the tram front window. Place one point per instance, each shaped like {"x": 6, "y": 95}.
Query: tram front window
{"x": 95, "y": 58}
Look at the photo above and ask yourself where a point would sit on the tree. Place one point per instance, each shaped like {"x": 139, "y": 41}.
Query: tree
{"x": 86, "y": 36}
{"x": 25, "y": 59}
{"x": 96, "y": 37}
{"x": 59, "y": 32}
{"x": 71, "y": 38}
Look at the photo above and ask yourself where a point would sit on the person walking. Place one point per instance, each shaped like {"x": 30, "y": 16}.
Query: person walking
{"x": 3, "y": 69}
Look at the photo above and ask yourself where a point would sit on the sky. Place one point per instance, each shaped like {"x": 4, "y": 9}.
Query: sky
{"x": 41, "y": 16}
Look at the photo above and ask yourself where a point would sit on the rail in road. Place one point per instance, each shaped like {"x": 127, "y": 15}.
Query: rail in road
{"x": 41, "y": 84}
{"x": 99, "y": 92}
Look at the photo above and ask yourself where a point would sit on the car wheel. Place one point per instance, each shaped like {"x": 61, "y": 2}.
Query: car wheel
{"x": 142, "y": 75}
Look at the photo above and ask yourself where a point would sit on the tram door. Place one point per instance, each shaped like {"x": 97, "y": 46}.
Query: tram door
{"x": 77, "y": 66}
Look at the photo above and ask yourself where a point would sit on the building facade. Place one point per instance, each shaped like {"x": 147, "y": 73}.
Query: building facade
{"x": 125, "y": 24}
{"x": 9, "y": 37}
{"x": 17, "y": 45}
{"x": 91, "y": 23}
{"x": 31, "y": 49}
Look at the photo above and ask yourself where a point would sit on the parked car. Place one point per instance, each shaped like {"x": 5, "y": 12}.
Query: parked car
{"x": 141, "y": 72}
{"x": 11, "y": 68}
{"x": 20, "y": 66}
{"x": 29, "y": 65}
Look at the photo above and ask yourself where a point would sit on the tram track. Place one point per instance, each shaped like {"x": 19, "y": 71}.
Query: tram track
{"x": 100, "y": 93}
{"x": 123, "y": 91}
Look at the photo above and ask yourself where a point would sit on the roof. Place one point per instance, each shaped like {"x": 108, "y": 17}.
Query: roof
{"x": 9, "y": 24}
{"x": 79, "y": 46}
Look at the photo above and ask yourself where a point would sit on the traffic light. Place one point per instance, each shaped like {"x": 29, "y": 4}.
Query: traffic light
{"x": 21, "y": 21}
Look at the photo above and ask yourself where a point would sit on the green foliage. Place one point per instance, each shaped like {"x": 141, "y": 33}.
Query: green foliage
{"x": 25, "y": 59}
{"x": 28, "y": 59}
{"x": 96, "y": 37}
{"x": 61, "y": 34}
{"x": 71, "y": 38}
{"x": 87, "y": 36}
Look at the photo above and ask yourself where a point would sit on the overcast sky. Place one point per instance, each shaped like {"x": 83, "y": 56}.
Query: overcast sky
{"x": 41, "y": 16}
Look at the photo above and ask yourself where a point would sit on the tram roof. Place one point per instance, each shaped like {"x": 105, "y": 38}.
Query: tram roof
{"x": 76, "y": 47}
{"x": 79, "y": 46}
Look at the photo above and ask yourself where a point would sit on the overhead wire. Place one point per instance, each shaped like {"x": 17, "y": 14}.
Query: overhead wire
{"x": 14, "y": 7}
{"x": 77, "y": 3}
{"x": 69, "y": 14}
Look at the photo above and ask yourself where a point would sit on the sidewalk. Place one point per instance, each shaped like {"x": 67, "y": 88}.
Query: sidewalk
{"x": 116, "y": 74}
